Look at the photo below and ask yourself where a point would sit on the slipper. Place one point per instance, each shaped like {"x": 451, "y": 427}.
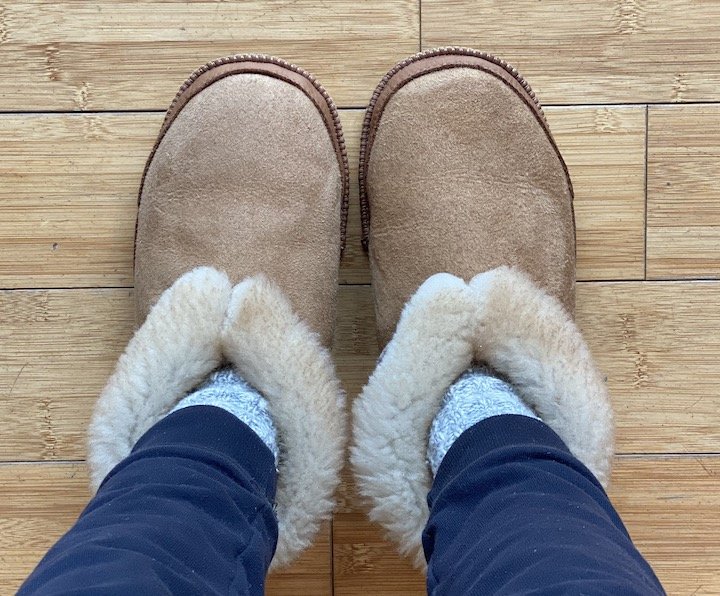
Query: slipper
{"x": 468, "y": 217}
{"x": 459, "y": 173}
{"x": 246, "y": 186}
{"x": 249, "y": 175}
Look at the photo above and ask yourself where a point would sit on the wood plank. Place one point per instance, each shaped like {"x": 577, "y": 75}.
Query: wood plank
{"x": 670, "y": 505}
{"x": 310, "y": 574}
{"x": 656, "y": 342}
{"x": 41, "y": 501}
{"x": 671, "y": 508}
{"x": 683, "y": 230}
{"x": 68, "y": 195}
{"x": 108, "y": 55}
{"x": 366, "y": 564}
{"x": 604, "y": 149}
{"x": 58, "y": 349}
{"x": 68, "y": 190}
{"x": 597, "y": 52}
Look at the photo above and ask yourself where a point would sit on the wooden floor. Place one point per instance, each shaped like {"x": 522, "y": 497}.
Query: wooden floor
{"x": 634, "y": 93}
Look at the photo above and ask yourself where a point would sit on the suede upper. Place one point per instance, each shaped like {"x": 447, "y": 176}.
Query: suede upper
{"x": 462, "y": 176}
{"x": 246, "y": 179}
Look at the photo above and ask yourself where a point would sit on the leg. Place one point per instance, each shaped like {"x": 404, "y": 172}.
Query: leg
{"x": 189, "y": 511}
{"x": 512, "y": 511}
{"x": 514, "y": 507}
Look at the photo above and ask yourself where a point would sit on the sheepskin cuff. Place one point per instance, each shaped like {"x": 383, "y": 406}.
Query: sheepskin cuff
{"x": 199, "y": 323}
{"x": 500, "y": 318}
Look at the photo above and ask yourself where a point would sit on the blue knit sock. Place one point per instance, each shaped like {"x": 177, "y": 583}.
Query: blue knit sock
{"x": 477, "y": 394}
{"x": 227, "y": 390}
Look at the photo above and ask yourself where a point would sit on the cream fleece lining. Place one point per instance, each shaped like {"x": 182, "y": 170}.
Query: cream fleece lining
{"x": 198, "y": 323}
{"x": 500, "y": 318}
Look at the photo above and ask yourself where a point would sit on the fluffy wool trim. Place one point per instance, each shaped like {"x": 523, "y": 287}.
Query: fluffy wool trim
{"x": 169, "y": 355}
{"x": 278, "y": 354}
{"x": 500, "y": 318}
{"x": 201, "y": 322}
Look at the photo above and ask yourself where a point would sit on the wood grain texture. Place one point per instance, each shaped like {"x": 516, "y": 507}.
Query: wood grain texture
{"x": 670, "y": 505}
{"x": 683, "y": 209}
{"x": 68, "y": 194}
{"x": 107, "y": 55}
{"x": 310, "y": 574}
{"x": 68, "y": 197}
{"x": 658, "y": 345}
{"x": 41, "y": 501}
{"x": 58, "y": 350}
{"x": 604, "y": 149}
{"x": 656, "y": 342}
{"x": 619, "y": 51}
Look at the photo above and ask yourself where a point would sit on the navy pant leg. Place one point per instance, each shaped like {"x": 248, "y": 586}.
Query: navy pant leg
{"x": 189, "y": 511}
{"x": 513, "y": 512}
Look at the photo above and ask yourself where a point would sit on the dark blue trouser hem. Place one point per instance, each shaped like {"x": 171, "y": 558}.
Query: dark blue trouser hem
{"x": 189, "y": 511}
{"x": 513, "y": 512}
{"x": 209, "y": 428}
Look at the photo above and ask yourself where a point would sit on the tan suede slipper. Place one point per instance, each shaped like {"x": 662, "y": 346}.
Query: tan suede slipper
{"x": 459, "y": 173}
{"x": 249, "y": 174}
{"x": 500, "y": 318}
{"x": 465, "y": 195}
{"x": 249, "y": 178}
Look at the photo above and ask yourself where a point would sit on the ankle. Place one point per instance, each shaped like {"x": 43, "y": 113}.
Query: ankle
{"x": 225, "y": 389}
{"x": 478, "y": 393}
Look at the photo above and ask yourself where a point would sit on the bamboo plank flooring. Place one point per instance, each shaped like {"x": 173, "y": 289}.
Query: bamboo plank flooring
{"x": 634, "y": 93}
